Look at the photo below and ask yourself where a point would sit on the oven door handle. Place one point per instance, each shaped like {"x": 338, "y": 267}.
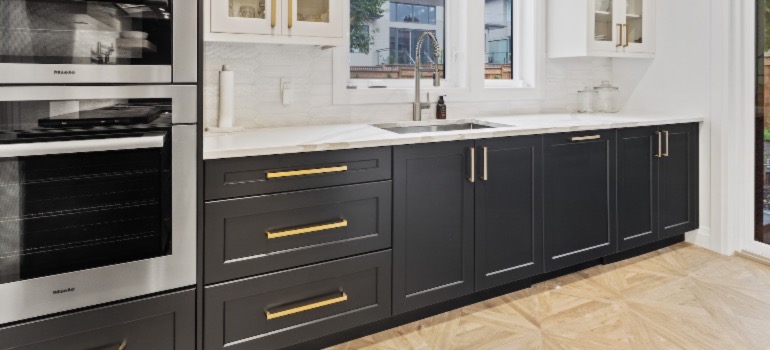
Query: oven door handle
{"x": 153, "y": 140}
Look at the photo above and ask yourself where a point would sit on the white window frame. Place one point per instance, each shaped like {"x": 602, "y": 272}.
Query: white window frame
{"x": 465, "y": 77}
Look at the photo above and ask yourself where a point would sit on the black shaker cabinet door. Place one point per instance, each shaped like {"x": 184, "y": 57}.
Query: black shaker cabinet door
{"x": 637, "y": 172}
{"x": 679, "y": 180}
{"x": 432, "y": 224}
{"x": 509, "y": 229}
{"x": 579, "y": 196}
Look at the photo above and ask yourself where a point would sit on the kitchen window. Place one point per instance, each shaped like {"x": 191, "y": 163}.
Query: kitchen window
{"x": 378, "y": 67}
{"x": 383, "y": 47}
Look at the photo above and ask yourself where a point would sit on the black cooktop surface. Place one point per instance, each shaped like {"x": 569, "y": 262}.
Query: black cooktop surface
{"x": 58, "y": 133}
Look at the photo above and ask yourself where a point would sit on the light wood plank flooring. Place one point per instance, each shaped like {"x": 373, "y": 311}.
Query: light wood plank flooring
{"x": 681, "y": 297}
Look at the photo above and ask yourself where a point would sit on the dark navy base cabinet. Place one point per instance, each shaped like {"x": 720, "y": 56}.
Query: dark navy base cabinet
{"x": 432, "y": 224}
{"x": 579, "y": 197}
{"x": 679, "y": 180}
{"x": 509, "y": 220}
{"x": 657, "y": 175}
{"x": 355, "y": 237}
{"x": 637, "y": 172}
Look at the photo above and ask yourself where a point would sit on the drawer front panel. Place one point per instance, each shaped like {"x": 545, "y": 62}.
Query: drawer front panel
{"x": 293, "y": 306}
{"x": 239, "y": 177}
{"x": 159, "y": 323}
{"x": 251, "y": 236}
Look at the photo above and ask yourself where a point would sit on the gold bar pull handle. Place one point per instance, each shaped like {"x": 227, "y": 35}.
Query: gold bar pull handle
{"x": 625, "y": 27}
{"x": 660, "y": 144}
{"x": 472, "y": 179}
{"x": 666, "y": 154}
{"x": 586, "y": 138}
{"x": 304, "y": 172}
{"x": 291, "y": 14}
{"x": 273, "y": 14}
{"x": 341, "y": 297}
{"x": 485, "y": 174}
{"x": 123, "y": 345}
{"x": 304, "y": 230}
{"x": 620, "y": 35}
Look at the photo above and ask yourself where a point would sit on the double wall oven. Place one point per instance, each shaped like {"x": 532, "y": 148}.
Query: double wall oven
{"x": 97, "y": 183}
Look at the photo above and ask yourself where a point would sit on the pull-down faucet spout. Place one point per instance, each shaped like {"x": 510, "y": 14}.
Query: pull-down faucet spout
{"x": 418, "y": 105}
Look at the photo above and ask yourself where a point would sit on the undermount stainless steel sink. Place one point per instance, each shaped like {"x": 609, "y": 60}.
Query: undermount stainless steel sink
{"x": 417, "y": 129}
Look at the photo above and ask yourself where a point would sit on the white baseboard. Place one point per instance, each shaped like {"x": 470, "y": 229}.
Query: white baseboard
{"x": 700, "y": 237}
{"x": 753, "y": 256}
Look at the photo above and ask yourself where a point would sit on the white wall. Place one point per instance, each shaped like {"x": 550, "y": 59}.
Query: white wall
{"x": 259, "y": 69}
{"x": 678, "y": 80}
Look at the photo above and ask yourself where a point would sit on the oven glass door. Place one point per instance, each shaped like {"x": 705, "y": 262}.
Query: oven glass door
{"x": 70, "y": 40}
{"x": 72, "y": 205}
{"x": 85, "y": 32}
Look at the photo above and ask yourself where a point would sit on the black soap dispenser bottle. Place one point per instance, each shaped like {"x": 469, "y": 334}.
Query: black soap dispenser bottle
{"x": 441, "y": 108}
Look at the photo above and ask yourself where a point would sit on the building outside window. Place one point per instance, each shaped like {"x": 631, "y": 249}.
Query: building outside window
{"x": 393, "y": 30}
{"x": 499, "y": 33}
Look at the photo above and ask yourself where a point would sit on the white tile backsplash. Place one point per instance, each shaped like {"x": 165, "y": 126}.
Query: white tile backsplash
{"x": 259, "y": 69}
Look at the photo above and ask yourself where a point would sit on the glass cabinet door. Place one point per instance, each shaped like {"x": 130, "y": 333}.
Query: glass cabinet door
{"x": 319, "y": 18}
{"x": 604, "y": 28}
{"x": 245, "y": 16}
{"x": 637, "y": 30}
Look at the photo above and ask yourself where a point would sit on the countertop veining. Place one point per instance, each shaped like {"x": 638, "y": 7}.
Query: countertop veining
{"x": 298, "y": 139}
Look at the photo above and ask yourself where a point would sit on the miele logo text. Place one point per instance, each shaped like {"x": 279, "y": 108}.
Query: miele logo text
{"x": 62, "y": 291}
{"x": 64, "y": 72}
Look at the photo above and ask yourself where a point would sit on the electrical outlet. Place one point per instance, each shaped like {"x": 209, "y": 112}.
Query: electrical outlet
{"x": 287, "y": 91}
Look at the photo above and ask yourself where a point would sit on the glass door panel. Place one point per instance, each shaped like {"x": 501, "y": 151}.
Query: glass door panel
{"x": 635, "y": 21}
{"x": 244, "y": 16}
{"x": 604, "y": 33}
{"x": 313, "y": 11}
{"x": 638, "y": 31}
{"x": 762, "y": 126}
{"x": 317, "y": 18}
{"x": 247, "y": 9}
{"x": 136, "y": 33}
{"x": 603, "y": 29}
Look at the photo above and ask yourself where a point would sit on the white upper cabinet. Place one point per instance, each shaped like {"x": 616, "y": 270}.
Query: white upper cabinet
{"x": 609, "y": 28}
{"x": 309, "y": 22}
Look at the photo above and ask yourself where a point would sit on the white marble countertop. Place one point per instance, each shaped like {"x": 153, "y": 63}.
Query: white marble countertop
{"x": 298, "y": 139}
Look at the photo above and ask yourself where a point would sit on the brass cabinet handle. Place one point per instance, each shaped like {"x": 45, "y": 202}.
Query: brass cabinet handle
{"x": 485, "y": 174}
{"x": 273, "y": 14}
{"x": 620, "y": 35}
{"x": 123, "y": 345}
{"x": 317, "y": 171}
{"x": 666, "y": 154}
{"x": 291, "y": 15}
{"x": 586, "y": 138}
{"x": 273, "y": 315}
{"x": 625, "y": 27}
{"x": 304, "y": 230}
{"x": 473, "y": 165}
{"x": 660, "y": 144}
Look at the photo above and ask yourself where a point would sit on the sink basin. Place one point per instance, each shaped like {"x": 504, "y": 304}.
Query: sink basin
{"x": 425, "y": 128}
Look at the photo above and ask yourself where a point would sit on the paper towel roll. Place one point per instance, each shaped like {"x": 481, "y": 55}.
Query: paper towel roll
{"x": 226, "y": 97}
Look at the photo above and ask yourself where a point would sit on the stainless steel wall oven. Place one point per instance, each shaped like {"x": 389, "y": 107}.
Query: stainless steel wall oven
{"x": 98, "y": 41}
{"x": 97, "y": 195}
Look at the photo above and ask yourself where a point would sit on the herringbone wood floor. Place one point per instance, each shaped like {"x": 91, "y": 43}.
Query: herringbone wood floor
{"x": 681, "y": 297}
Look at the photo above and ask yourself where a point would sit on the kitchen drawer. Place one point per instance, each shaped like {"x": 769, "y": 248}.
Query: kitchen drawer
{"x": 255, "y": 235}
{"x": 290, "y": 307}
{"x": 239, "y": 177}
{"x": 159, "y": 323}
